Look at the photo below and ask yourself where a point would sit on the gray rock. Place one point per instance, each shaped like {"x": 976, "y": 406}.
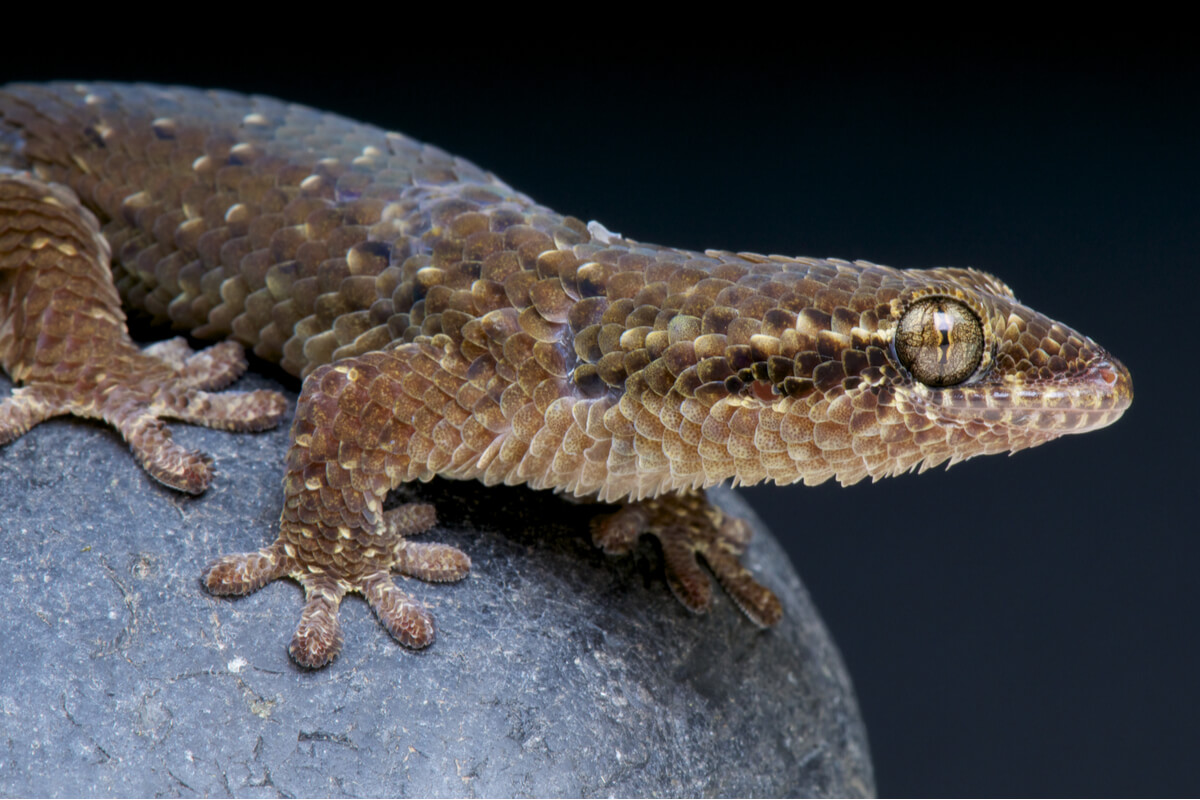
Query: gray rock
{"x": 557, "y": 671}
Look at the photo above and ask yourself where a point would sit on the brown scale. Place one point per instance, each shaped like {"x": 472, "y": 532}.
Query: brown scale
{"x": 446, "y": 325}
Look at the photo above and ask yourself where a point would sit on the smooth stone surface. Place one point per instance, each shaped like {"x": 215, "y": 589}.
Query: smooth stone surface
{"x": 557, "y": 670}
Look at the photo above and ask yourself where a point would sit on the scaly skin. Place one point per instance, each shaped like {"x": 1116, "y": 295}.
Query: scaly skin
{"x": 447, "y": 325}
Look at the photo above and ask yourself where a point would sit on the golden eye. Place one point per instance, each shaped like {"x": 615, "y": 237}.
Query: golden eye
{"x": 939, "y": 341}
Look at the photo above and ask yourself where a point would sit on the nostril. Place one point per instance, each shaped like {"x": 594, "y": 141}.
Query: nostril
{"x": 1116, "y": 381}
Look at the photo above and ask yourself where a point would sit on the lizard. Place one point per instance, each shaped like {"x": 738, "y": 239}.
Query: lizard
{"x": 445, "y": 324}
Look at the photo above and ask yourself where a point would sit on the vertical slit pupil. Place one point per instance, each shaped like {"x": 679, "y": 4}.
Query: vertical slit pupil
{"x": 940, "y": 341}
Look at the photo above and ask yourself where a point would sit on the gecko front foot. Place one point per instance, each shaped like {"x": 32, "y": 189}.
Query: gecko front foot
{"x": 689, "y": 527}
{"x": 331, "y": 562}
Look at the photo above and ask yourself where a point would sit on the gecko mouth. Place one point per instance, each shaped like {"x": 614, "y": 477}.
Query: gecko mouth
{"x": 1086, "y": 401}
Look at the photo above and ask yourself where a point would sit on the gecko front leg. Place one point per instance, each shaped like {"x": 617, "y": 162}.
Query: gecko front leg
{"x": 365, "y": 425}
{"x": 358, "y": 433}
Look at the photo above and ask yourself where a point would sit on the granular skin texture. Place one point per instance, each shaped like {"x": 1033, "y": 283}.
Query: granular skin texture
{"x": 446, "y": 325}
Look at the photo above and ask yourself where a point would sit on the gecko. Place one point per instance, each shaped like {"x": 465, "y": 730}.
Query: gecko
{"x": 447, "y": 325}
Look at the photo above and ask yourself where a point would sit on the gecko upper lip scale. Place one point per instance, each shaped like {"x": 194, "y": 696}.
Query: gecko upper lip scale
{"x": 1094, "y": 399}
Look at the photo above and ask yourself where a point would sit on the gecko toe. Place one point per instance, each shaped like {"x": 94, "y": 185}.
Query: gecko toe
{"x": 25, "y": 408}
{"x": 616, "y": 534}
{"x": 756, "y": 601}
{"x": 410, "y": 519}
{"x": 330, "y": 562}
{"x": 243, "y": 573}
{"x": 431, "y": 561}
{"x": 404, "y": 617}
{"x": 173, "y": 352}
{"x": 692, "y": 530}
{"x": 427, "y": 561}
{"x": 234, "y": 411}
{"x": 687, "y": 580}
{"x": 213, "y": 367}
{"x": 318, "y": 638}
{"x": 167, "y": 462}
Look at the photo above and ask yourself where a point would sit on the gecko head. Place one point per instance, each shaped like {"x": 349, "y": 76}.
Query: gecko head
{"x": 917, "y": 368}
{"x": 990, "y": 374}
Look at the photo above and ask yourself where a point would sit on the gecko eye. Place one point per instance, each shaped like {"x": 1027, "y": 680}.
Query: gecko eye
{"x": 940, "y": 341}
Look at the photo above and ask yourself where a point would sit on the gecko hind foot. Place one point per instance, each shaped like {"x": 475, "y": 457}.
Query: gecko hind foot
{"x": 690, "y": 528}
{"x": 329, "y": 566}
{"x": 135, "y": 390}
{"x": 63, "y": 338}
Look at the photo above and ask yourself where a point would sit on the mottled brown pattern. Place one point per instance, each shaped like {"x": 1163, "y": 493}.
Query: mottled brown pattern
{"x": 447, "y": 325}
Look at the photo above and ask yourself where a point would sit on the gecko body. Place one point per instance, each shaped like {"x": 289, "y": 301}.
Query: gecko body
{"x": 447, "y": 325}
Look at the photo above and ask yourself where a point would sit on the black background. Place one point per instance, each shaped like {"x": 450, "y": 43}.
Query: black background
{"x": 1014, "y": 626}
